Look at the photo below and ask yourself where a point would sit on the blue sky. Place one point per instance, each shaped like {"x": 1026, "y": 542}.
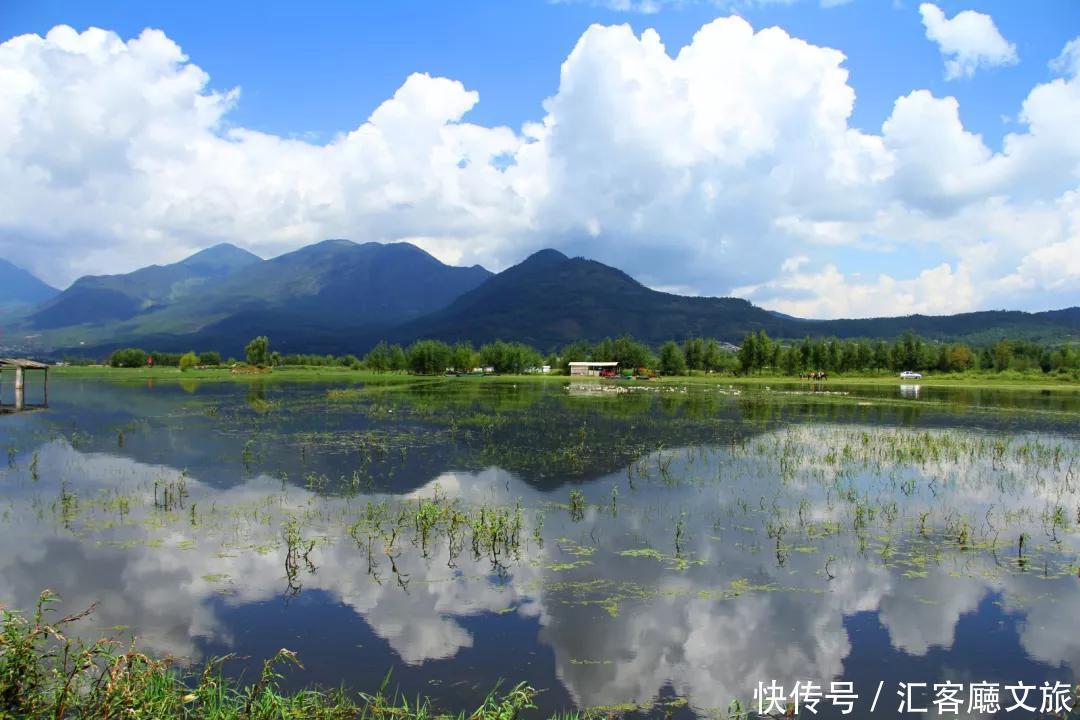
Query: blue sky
{"x": 322, "y": 67}
{"x": 947, "y": 203}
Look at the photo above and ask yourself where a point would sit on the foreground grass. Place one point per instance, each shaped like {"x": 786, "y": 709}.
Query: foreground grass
{"x": 44, "y": 673}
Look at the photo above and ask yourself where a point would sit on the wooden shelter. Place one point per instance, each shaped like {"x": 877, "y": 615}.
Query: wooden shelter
{"x": 594, "y": 369}
{"x": 21, "y": 366}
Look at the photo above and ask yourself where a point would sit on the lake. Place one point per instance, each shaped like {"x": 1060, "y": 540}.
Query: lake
{"x": 651, "y": 549}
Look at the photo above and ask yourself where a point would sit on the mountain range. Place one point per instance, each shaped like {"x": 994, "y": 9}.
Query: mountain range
{"x": 550, "y": 300}
{"x": 20, "y": 292}
{"x": 98, "y": 299}
{"x": 339, "y": 296}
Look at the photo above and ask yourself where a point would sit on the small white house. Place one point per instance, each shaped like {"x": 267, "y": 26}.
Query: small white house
{"x": 591, "y": 368}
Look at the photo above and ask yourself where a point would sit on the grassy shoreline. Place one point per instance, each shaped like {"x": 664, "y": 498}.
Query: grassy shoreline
{"x": 46, "y": 673}
{"x": 328, "y": 374}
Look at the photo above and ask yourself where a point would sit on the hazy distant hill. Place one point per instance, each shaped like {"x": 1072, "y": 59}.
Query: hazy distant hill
{"x": 19, "y": 286}
{"x": 980, "y": 327}
{"x": 104, "y": 298}
{"x": 20, "y": 292}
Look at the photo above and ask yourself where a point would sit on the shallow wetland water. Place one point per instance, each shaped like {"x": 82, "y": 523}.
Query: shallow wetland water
{"x": 659, "y": 546}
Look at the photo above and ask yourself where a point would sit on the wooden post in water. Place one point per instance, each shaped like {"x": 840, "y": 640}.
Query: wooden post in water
{"x": 19, "y": 387}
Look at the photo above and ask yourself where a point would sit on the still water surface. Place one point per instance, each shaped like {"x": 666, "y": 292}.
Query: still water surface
{"x": 645, "y": 546}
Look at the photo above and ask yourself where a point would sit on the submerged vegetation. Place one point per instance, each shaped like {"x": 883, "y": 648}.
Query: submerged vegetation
{"x": 431, "y": 507}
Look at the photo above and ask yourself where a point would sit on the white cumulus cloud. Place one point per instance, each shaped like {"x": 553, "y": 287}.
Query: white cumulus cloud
{"x": 650, "y": 7}
{"x": 830, "y": 293}
{"x": 969, "y": 40}
{"x": 725, "y": 166}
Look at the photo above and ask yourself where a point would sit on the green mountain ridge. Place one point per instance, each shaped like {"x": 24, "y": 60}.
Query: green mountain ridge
{"x": 341, "y": 297}
{"x": 103, "y": 298}
{"x": 221, "y": 294}
{"x": 551, "y": 300}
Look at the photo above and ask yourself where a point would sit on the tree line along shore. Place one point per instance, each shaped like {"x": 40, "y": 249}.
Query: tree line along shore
{"x": 758, "y": 355}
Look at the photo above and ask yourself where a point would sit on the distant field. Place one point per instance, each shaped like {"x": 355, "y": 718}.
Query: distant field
{"x": 942, "y": 380}
{"x": 321, "y": 373}
{"x": 224, "y": 374}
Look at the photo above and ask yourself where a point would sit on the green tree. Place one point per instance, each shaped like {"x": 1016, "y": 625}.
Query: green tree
{"x": 712, "y": 360}
{"x": 574, "y": 352}
{"x": 378, "y": 358}
{"x": 464, "y": 358}
{"x": 849, "y": 356}
{"x": 881, "y": 355}
{"x": 961, "y": 357}
{"x": 717, "y": 359}
{"x": 757, "y": 351}
{"x": 258, "y": 351}
{"x": 165, "y": 359}
{"x": 819, "y": 355}
{"x": 631, "y": 354}
{"x": 789, "y": 361}
{"x": 1002, "y": 356}
{"x": 833, "y": 358}
{"x": 864, "y": 356}
{"x": 748, "y": 353}
{"x": 1064, "y": 358}
{"x": 188, "y": 361}
{"x": 128, "y": 358}
{"x": 694, "y": 352}
{"x": 604, "y": 351}
{"x": 942, "y": 362}
{"x": 509, "y": 357}
{"x": 210, "y": 357}
{"x": 672, "y": 360}
{"x": 577, "y": 351}
{"x": 910, "y": 353}
{"x": 428, "y": 357}
{"x": 806, "y": 354}
{"x": 764, "y": 353}
{"x": 398, "y": 360}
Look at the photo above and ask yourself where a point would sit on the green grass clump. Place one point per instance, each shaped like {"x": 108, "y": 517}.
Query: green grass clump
{"x": 45, "y": 673}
